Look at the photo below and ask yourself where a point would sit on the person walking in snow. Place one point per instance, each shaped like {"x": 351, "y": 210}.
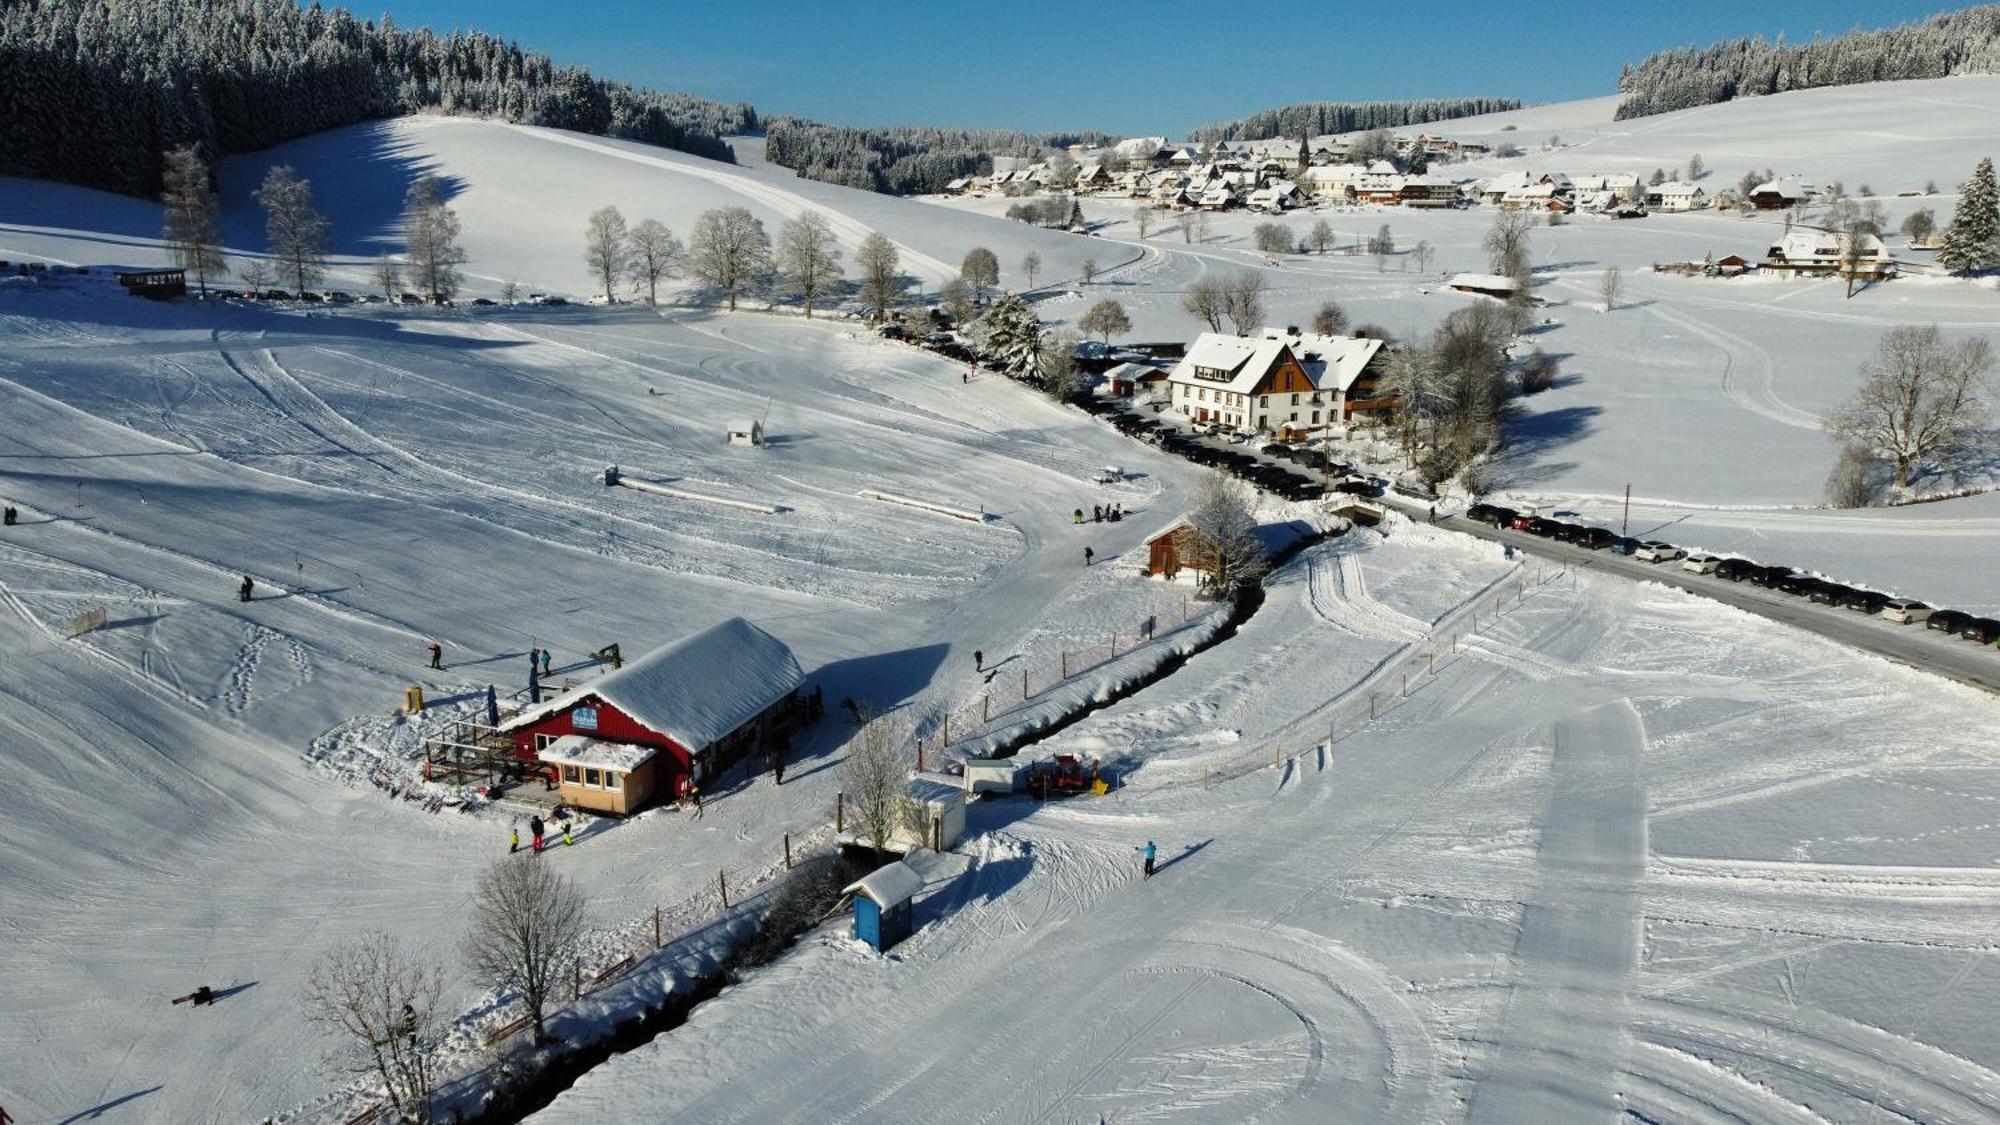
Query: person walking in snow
{"x": 978, "y": 661}
{"x": 514, "y": 839}
{"x": 694, "y": 795}
{"x": 13, "y": 515}
{"x": 1150, "y": 853}
{"x": 1077, "y": 516}
{"x": 545, "y": 662}
{"x": 1097, "y": 513}
{"x": 437, "y": 655}
{"x": 534, "y": 659}
{"x": 1434, "y": 513}
{"x": 1088, "y": 554}
{"x": 535, "y": 829}
{"x": 243, "y": 591}
{"x": 566, "y": 840}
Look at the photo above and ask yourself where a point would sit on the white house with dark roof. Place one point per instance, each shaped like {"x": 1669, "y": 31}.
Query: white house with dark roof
{"x": 1275, "y": 382}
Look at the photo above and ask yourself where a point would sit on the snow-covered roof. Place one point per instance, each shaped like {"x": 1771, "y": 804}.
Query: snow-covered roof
{"x": 1810, "y": 244}
{"x": 887, "y": 886}
{"x": 1483, "y": 281}
{"x": 929, "y": 791}
{"x": 744, "y": 426}
{"x": 1245, "y": 359}
{"x": 1133, "y": 371}
{"x": 1785, "y": 188}
{"x": 1341, "y": 359}
{"x": 697, "y": 690}
{"x": 1677, "y": 187}
{"x": 1179, "y": 522}
{"x": 581, "y": 750}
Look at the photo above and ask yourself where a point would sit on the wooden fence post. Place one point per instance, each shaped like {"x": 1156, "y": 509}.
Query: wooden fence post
{"x": 576, "y": 980}
{"x": 1024, "y": 685}
{"x": 839, "y": 811}
{"x": 1371, "y": 705}
{"x": 1065, "y": 664}
{"x": 985, "y": 708}
{"x": 656, "y": 927}
{"x": 1406, "y": 683}
{"x": 722, "y": 880}
{"x": 788, "y": 851}
{"x": 1114, "y": 644}
{"x": 1434, "y": 662}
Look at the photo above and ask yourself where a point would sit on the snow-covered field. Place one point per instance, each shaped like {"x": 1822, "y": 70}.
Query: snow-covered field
{"x": 1626, "y": 849}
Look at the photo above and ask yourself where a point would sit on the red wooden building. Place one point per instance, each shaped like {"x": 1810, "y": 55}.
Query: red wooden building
{"x": 701, "y": 704}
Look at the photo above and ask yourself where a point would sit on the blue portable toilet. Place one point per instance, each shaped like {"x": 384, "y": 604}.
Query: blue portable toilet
{"x": 882, "y": 904}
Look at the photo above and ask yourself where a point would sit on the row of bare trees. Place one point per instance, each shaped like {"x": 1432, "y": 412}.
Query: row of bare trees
{"x": 300, "y": 236}
{"x": 382, "y": 1001}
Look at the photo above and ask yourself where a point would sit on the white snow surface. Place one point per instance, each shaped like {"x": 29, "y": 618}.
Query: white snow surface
{"x": 1623, "y": 850}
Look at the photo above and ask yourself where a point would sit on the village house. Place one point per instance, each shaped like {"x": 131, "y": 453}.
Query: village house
{"x": 1284, "y": 383}
{"x": 1485, "y": 285}
{"x": 677, "y": 715}
{"x": 1333, "y": 182}
{"x": 1177, "y": 547}
{"x": 1429, "y": 191}
{"x": 1779, "y": 195}
{"x": 1676, "y": 195}
{"x": 1536, "y": 197}
{"x": 1381, "y": 183}
{"x": 1815, "y": 252}
{"x": 1279, "y": 196}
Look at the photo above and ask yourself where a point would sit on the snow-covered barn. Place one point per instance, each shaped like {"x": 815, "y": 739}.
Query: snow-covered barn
{"x": 699, "y": 705}
{"x": 1810, "y": 250}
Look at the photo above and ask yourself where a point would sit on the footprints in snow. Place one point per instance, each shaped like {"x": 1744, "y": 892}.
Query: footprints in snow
{"x": 241, "y": 689}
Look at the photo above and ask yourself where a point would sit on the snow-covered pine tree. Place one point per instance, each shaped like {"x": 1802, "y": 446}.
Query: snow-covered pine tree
{"x": 1011, "y": 336}
{"x": 1972, "y": 241}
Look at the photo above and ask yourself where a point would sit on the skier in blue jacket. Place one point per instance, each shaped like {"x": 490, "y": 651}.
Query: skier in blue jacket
{"x": 1150, "y": 852}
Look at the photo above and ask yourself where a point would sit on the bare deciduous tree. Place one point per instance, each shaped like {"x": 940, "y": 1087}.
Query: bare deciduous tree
{"x": 191, "y": 230}
{"x": 1610, "y": 287}
{"x": 256, "y": 275}
{"x": 1031, "y": 264}
{"x": 388, "y": 276}
{"x": 874, "y": 777}
{"x": 1506, "y": 243}
{"x": 655, "y": 254}
{"x": 808, "y": 257}
{"x": 1056, "y": 365}
{"x": 430, "y": 234}
{"x": 881, "y": 273}
{"x": 1856, "y": 478}
{"x": 510, "y": 291}
{"x": 1223, "y": 516}
{"x": 381, "y": 1002}
{"x": 1104, "y": 320}
{"x": 1922, "y": 399}
{"x": 1322, "y": 236}
{"x": 1143, "y": 219}
{"x": 1382, "y": 245}
{"x": 1089, "y": 269}
{"x": 981, "y": 270}
{"x": 1272, "y": 238}
{"x": 729, "y": 250}
{"x": 1423, "y": 253}
{"x": 604, "y": 248}
{"x": 527, "y": 931}
{"x": 1207, "y": 301}
{"x": 956, "y": 299}
{"x": 1329, "y": 319}
{"x": 1185, "y": 223}
{"x": 1243, "y": 301}
{"x": 296, "y": 229}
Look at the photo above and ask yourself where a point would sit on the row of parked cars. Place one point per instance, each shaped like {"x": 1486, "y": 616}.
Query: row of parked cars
{"x": 1288, "y": 483}
{"x": 1785, "y": 580}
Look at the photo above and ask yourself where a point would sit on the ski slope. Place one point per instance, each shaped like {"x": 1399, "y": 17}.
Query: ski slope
{"x": 1411, "y": 926}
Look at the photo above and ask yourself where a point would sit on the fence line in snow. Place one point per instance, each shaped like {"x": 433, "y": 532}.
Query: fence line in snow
{"x": 1011, "y": 688}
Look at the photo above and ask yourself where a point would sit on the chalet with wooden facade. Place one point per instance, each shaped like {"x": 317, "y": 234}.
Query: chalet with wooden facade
{"x": 1177, "y": 547}
{"x": 679, "y": 714}
{"x": 1286, "y": 383}
{"x": 1779, "y": 195}
{"x": 1809, "y": 250}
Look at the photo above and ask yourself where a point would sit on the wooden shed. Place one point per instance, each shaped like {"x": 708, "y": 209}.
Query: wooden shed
{"x": 603, "y": 776}
{"x": 1175, "y": 547}
{"x": 939, "y": 807}
{"x": 882, "y": 904}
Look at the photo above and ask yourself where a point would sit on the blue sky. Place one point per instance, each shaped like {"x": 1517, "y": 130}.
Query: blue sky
{"x": 1132, "y": 68}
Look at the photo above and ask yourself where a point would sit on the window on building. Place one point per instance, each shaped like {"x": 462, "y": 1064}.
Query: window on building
{"x": 572, "y": 774}
{"x": 1295, "y": 401}
{"x": 1263, "y": 400}
{"x": 593, "y": 778}
{"x": 613, "y": 780}
{"x": 543, "y": 742}
{"x": 1315, "y": 418}
{"x": 1294, "y": 417}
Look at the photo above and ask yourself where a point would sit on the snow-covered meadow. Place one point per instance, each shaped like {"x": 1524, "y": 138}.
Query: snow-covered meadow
{"x": 1626, "y": 849}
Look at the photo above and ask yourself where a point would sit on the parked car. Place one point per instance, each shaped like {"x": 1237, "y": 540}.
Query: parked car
{"x": 1654, "y": 551}
{"x": 1800, "y": 585}
{"x": 276, "y": 295}
{"x": 1546, "y": 528}
{"x": 1946, "y": 620}
{"x": 1594, "y": 538}
{"x": 1905, "y": 611}
{"x": 1985, "y": 630}
{"x": 1864, "y": 601}
{"x": 1736, "y": 570}
{"x": 1625, "y": 545}
{"x": 1700, "y": 564}
{"x": 1522, "y": 523}
{"x": 1771, "y": 577}
{"x": 1830, "y": 593}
